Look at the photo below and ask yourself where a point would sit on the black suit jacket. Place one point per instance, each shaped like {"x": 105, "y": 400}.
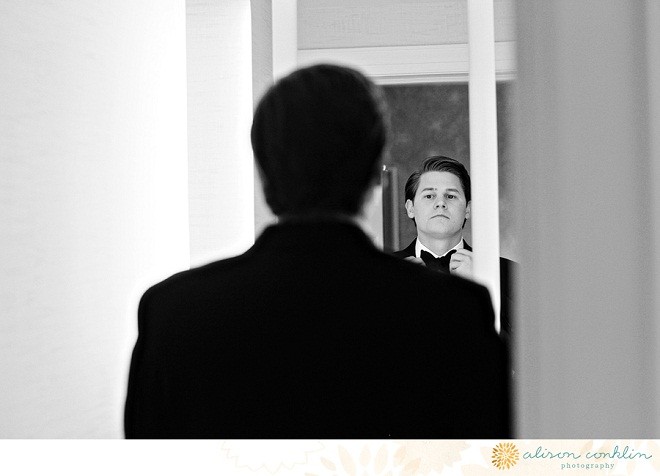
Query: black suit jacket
{"x": 507, "y": 275}
{"x": 314, "y": 333}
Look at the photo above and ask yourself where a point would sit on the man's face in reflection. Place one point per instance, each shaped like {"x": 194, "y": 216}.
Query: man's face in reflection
{"x": 440, "y": 207}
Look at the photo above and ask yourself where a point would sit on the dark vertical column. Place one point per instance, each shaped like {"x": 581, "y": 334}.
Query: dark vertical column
{"x": 585, "y": 330}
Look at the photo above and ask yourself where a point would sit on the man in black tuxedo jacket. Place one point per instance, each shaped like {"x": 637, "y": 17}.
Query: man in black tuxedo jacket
{"x": 437, "y": 198}
{"x": 313, "y": 332}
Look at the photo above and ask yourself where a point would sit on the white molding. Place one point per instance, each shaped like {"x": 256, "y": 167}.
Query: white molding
{"x": 285, "y": 36}
{"x": 483, "y": 149}
{"x": 413, "y": 64}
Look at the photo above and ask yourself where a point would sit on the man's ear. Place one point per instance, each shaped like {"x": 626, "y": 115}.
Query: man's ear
{"x": 467, "y": 214}
{"x": 410, "y": 208}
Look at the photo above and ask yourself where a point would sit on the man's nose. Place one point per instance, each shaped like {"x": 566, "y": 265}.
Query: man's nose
{"x": 440, "y": 203}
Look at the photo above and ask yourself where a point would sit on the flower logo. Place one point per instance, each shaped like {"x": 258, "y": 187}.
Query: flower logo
{"x": 505, "y": 455}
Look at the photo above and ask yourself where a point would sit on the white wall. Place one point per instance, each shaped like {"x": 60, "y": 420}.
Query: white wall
{"x": 221, "y": 181}
{"x": 93, "y": 201}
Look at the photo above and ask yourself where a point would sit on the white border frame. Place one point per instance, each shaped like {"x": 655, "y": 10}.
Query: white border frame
{"x": 413, "y": 64}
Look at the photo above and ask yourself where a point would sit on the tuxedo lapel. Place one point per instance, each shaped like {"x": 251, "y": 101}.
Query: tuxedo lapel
{"x": 408, "y": 251}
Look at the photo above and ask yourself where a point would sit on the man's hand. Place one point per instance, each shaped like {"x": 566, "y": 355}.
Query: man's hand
{"x": 461, "y": 263}
{"x": 413, "y": 259}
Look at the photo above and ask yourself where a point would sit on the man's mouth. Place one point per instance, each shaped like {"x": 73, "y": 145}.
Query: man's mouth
{"x": 440, "y": 216}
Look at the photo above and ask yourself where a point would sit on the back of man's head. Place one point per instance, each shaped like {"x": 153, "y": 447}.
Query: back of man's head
{"x": 317, "y": 136}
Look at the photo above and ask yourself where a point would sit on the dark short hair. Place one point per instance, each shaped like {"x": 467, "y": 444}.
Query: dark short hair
{"x": 317, "y": 137}
{"x": 438, "y": 163}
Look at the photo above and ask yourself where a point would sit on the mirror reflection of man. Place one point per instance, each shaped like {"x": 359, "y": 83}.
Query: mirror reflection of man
{"x": 310, "y": 333}
{"x": 438, "y": 199}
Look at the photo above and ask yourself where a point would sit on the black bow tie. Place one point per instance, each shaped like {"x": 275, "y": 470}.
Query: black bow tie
{"x": 437, "y": 264}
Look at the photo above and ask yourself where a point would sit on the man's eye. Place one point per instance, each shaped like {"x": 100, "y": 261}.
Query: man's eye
{"x": 428, "y": 195}
{"x": 450, "y": 196}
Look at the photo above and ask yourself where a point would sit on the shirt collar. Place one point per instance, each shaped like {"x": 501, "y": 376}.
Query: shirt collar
{"x": 419, "y": 247}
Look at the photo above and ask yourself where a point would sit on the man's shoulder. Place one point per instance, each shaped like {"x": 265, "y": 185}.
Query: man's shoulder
{"x": 194, "y": 279}
{"x": 263, "y": 269}
{"x": 433, "y": 285}
{"x": 509, "y": 263}
{"x": 508, "y": 268}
